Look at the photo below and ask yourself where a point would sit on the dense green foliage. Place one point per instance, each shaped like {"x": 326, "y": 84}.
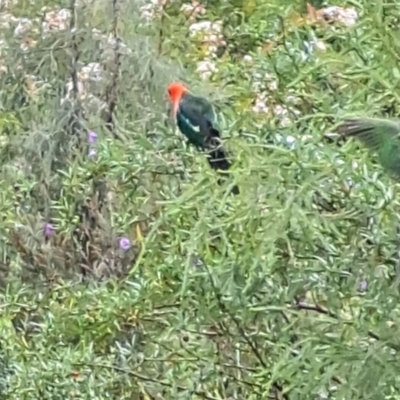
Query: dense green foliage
{"x": 153, "y": 282}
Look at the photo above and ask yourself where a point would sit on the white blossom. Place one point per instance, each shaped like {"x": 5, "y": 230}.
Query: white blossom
{"x": 206, "y": 27}
{"x": 56, "y": 21}
{"x": 347, "y": 16}
{"x": 92, "y": 71}
{"x": 193, "y": 10}
{"x": 210, "y": 34}
{"x": 24, "y": 26}
{"x": 247, "y": 58}
{"x": 264, "y": 82}
{"x": 206, "y": 68}
{"x": 152, "y": 9}
{"x": 260, "y": 106}
{"x": 6, "y": 19}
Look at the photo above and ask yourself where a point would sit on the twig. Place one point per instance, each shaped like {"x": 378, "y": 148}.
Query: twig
{"x": 240, "y": 367}
{"x": 161, "y": 31}
{"x": 314, "y": 307}
{"x": 160, "y": 39}
{"x": 144, "y": 378}
{"x": 83, "y": 235}
{"x": 284, "y": 44}
{"x": 173, "y": 305}
{"x": 170, "y": 359}
{"x": 294, "y": 339}
{"x": 242, "y": 332}
{"x": 321, "y": 310}
{"x": 74, "y": 123}
{"x": 111, "y": 93}
{"x": 75, "y": 51}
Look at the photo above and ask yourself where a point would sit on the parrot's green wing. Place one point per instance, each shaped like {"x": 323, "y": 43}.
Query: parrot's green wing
{"x": 196, "y": 109}
{"x": 194, "y": 116}
{"x": 196, "y": 120}
{"x": 379, "y": 135}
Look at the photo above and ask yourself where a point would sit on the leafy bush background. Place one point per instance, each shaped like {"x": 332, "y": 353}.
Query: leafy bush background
{"x": 252, "y": 297}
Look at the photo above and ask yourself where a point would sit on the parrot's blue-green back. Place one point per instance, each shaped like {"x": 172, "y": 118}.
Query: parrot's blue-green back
{"x": 196, "y": 119}
{"x": 193, "y": 116}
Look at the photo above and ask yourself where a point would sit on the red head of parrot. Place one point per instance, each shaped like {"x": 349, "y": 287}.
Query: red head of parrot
{"x": 176, "y": 90}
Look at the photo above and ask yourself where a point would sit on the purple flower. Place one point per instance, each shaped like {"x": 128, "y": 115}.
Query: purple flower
{"x": 92, "y": 137}
{"x": 48, "y": 229}
{"x": 124, "y": 243}
{"x": 92, "y": 153}
{"x": 363, "y": 285}
{"x": 197, "y": 262}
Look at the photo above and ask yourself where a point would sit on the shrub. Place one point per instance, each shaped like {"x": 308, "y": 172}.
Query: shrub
{"x": 128, "y": 272}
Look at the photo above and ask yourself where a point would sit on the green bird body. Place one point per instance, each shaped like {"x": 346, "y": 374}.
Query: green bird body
{"x": 196, "y": 120}
{"x": 379, "y": 135}
{"x": 192, "y": 113}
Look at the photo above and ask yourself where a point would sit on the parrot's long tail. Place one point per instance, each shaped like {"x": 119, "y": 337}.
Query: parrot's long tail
{"x": 216, "y": 155}
{"x": 217, "y": 159}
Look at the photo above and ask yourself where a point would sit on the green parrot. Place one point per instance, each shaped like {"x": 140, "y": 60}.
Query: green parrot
{"x": 379, "y": 135}
{"x": 195, "y": 118}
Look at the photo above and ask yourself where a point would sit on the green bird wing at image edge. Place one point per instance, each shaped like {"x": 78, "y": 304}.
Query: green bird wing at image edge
{"x": 380, "y": 135}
